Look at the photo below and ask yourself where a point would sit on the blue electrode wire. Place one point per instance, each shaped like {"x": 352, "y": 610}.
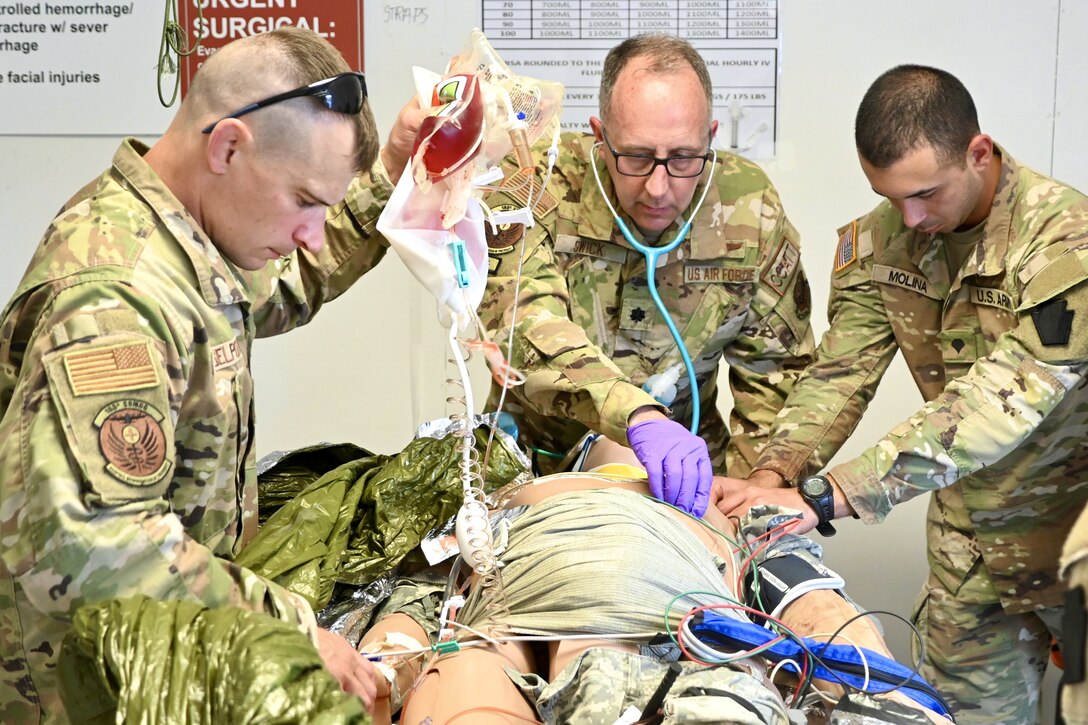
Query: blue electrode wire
{"x": 652, "y": 254}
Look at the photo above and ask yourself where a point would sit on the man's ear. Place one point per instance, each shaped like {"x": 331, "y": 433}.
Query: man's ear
{"x": 980, "y": 151}
{"x": 597, "y": 126}
{"x": 224, "y": 141}
{"x": 713, "y": 130}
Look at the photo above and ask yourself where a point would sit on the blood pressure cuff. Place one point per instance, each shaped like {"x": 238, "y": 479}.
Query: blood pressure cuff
{"x": 844, "y": 664}
{"x": 774, "y": 583}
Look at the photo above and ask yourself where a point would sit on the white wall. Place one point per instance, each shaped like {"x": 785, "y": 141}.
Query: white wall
{"x": 371, "y": 366}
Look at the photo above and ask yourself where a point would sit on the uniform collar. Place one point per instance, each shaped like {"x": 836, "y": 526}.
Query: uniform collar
{"x": 219, "y": 282}
{"x": 997, "y": 233}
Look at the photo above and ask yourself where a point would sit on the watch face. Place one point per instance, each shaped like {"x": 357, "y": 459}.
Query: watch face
{"x": 815, "y": 486}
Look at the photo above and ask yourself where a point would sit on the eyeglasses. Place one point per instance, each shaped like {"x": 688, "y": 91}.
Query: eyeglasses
{"x": 343, "y": 93}
{"x": 682, "y": 167}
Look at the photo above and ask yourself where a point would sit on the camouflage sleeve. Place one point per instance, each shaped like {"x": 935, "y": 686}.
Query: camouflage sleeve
{"x": 289, "y": 292}
{"x": 95, "y": 432}
{"x": 830, "y": 396}
{"x": 988, "y": 412}
{"x": 774, "y": 346}
{"x": 566, "y": 375}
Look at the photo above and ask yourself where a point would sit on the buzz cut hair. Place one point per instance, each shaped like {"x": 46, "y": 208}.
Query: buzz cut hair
{"x": 242, "y": 70}
{"x": 666, "y": 54}
{"x": 912, "y": 106}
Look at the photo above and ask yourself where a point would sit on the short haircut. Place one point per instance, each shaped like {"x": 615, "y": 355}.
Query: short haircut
{"x": 912, "y": 106}
{"x": 666, "y": 53}
{"x": 246, "y": 69}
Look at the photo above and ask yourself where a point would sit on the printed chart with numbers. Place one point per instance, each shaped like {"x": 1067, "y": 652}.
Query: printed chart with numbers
{"x": 566, "y": 40}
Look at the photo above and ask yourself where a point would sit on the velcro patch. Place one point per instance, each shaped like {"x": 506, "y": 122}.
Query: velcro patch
{"x": 1053, "y": 321}
{"x": 568, "y": 244}
{"x": 802, "y": 296}
{"x": 847, "y": 251}
{"x": 502, "y": 238}
{"x": 990, "y": 297}
{"x": 718, "y": 274}
{"x": 225, "y": 355}
{"x": 912, "y": 281}
{"x": 786, "y": 258}
{"x": 961, "y": 345}
{"x": 638, "y": 313}
{"x": 518, "y": 187}
{"x": 132, "y": 441}
{"x": 111, "y": 369}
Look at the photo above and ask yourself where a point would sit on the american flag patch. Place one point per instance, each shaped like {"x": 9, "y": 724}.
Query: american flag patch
{"x": 848, "y": 248}
{"x": 111, "y": 369}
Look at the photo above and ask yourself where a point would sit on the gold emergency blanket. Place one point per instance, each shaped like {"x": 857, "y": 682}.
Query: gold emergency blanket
{"x": 124, "y": 659}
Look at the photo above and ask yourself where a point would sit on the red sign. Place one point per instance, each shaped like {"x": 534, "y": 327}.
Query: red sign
{"x": 218, "y": 22}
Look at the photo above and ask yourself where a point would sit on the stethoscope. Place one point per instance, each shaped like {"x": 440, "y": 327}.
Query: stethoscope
{"x": 651, "y": 254}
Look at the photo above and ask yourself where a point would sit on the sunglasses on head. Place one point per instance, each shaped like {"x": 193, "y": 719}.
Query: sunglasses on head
{"x": 343, "y": 93}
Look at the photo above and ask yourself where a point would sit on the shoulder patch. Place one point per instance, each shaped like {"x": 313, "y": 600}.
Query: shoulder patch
{"x": 847, "y": 251}
{"x": 1053, "y": 321}
{"x": 785, "y": 261}
{"x": 802, "y": 296}
{"x": 132, "y": 440}
{"x": 502, "y": 237}
{"x": 111, "y": 369}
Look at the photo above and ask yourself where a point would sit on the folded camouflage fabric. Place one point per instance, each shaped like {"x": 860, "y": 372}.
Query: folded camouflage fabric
{"x": 140, "y": 661}
{"x": 362, "y": 518}
{"x": 601, "y": 684}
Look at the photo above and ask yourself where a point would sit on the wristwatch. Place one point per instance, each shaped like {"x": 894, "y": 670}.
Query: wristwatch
{"x": 819, "y": 494}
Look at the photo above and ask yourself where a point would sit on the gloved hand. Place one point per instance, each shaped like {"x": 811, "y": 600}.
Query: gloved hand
{"x": 676, "y": 461}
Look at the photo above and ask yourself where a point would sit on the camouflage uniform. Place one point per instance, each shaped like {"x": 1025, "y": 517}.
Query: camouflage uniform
{"x": 999, "y": 351}
{"x": 127, "y": 463}
{"x": 588, "y": 334}
{"x": 1074, "y": 699}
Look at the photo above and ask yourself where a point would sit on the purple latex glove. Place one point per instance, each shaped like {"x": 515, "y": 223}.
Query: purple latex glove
{"x": 676, "y": 461}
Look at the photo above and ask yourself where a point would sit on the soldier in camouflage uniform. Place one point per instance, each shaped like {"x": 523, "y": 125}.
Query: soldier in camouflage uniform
{"x": 1074, "y": 570}
{"x": 586, "y": 332}
{"x": 127, "y": 462}
{"x": 975, "y": 268}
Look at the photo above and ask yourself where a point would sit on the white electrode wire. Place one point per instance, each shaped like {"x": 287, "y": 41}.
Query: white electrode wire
{"x": 708, "y": 653}
{"x": 464, "y": 644}
{"x": 860, "y": 652}
{"x": 478, "y": 633}
{"x": 782, "y": 663}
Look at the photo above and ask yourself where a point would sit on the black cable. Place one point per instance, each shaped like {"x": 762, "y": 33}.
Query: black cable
{"x": 652, "y": 710}
{"x": 915, "y": 667}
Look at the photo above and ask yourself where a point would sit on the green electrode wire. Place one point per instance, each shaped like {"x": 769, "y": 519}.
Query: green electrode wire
{"x": 172, "y": 49}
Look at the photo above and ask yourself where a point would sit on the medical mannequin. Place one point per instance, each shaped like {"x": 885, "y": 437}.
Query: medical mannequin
{"x": 473, "y": 681}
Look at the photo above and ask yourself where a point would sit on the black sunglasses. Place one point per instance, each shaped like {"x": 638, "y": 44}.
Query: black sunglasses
{"x": 342, "y": 93}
